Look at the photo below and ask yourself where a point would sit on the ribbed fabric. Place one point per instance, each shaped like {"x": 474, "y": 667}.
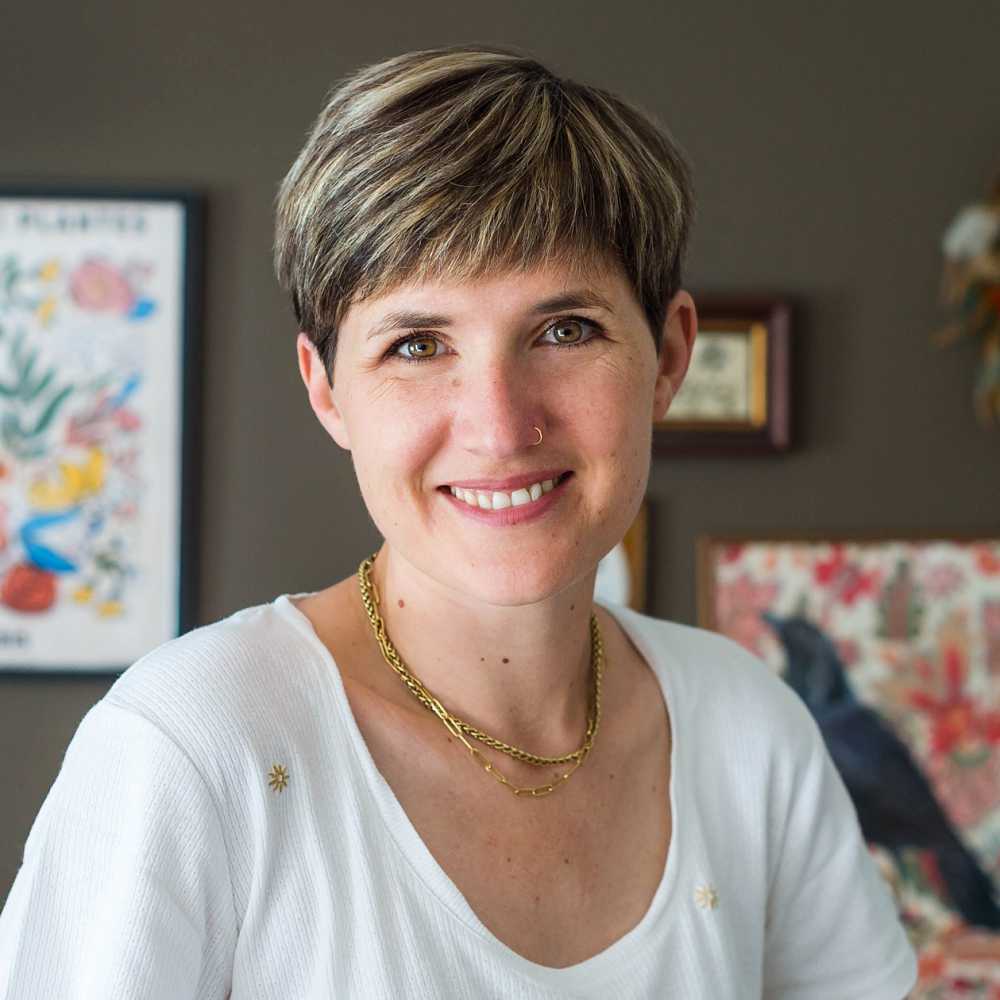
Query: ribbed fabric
{"x": 163, "y": 866}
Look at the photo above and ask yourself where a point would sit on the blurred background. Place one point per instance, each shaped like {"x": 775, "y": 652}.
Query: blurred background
{"x": 832, "y": 145}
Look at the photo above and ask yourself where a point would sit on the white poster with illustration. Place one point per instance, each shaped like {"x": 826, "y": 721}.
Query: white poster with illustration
{"x": 95, "y": 301}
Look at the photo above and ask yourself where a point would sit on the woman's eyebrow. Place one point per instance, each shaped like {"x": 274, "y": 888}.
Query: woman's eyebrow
{"x": 581, "y": 298}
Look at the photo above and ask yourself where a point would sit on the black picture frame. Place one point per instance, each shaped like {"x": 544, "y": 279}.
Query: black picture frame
{"x": 125, "y": 235}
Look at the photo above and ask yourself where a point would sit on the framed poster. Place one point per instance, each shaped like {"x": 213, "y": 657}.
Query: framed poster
{"x": 735, "y": 396}
{"x": 894, "y": 645}
{"x": 99, "y": 363}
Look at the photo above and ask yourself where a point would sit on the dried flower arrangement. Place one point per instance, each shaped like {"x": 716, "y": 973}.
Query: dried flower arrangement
{"x": 971, "y": 282}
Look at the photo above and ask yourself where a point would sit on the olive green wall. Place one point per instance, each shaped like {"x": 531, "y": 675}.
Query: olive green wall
{"x": 832, "y": 143}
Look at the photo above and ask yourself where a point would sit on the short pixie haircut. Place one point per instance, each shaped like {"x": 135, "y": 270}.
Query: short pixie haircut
{"x": 458, "y": 162}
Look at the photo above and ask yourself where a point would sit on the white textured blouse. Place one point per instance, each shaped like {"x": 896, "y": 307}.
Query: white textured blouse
{"x": 218, "y": 829}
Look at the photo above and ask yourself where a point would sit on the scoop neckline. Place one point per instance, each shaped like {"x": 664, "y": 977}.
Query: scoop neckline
{"x": 591, "y": 971}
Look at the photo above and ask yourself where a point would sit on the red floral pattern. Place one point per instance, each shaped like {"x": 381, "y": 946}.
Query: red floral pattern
{"x": 918, "y": 627}
{"x": 844, "y": 578}
{"x": 738, "y": 609}
{"x": 98, "y": 286}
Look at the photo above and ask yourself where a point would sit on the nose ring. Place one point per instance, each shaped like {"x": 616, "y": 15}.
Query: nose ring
{"x": 539, "y": 441}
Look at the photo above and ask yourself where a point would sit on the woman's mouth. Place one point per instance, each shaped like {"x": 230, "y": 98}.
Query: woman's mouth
{"x": 508, "y": 506}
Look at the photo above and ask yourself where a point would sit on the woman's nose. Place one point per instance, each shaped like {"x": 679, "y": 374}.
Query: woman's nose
{"x": 498, "y": 410}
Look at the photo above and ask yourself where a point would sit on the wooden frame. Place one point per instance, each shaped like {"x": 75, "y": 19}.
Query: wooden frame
{"x": 736, "y": 397}
{"x": 100, "y": 361}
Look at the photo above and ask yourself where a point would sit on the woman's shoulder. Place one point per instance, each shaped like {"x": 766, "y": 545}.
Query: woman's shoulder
{"x": 214, "y": 659}
{"x": 221, "y": 685}
{"x": 717, "y": 680}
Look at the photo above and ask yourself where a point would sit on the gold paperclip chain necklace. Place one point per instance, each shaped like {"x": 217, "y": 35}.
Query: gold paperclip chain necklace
{"x": 460, "y": 729}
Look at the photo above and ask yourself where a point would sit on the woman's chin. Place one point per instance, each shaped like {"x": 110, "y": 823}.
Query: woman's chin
{"x": 504, "y": 586}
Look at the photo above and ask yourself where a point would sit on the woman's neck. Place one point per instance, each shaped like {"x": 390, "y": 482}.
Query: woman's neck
{"x": 520, "y": 673}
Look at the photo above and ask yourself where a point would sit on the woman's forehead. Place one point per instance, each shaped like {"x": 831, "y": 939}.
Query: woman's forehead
{"x": 542, "y": 288}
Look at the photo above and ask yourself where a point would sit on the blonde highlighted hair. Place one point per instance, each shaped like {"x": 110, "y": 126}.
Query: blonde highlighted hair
{"x": 454, "y": 163}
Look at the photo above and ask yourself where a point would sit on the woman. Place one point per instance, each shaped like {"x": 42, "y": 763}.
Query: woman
{"x": 453, "y": 775}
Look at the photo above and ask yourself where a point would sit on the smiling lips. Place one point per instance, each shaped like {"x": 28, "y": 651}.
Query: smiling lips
{"x": 494, "y": 500}
{"x": 497, "y": 499}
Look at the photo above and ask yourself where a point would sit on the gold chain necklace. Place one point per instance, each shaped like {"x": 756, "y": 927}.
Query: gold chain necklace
{"x": 460, "y": 729}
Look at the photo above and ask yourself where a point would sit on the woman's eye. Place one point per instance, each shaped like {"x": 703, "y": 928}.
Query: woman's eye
{"x": 572, "y": 331}
{"x": 416, "y": 348}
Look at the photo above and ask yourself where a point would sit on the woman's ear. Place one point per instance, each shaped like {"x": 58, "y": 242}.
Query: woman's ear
{"x": 676, "y": 344}
{"x": 321, "y": 395}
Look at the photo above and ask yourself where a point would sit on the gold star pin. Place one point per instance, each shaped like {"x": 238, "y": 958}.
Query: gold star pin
{"x": 706, "y": 897}
{"x": 277, "y": 777}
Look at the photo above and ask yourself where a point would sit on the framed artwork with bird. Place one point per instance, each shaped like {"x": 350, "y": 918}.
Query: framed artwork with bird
{"x": 894, "y": 646}
{"x": 99, "y": 372}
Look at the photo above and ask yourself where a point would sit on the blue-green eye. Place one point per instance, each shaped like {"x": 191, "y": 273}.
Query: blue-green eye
{"x": 418, "y": 348}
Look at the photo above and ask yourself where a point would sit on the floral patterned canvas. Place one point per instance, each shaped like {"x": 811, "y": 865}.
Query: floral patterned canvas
{"x": 92, "y": 299}
{"x": 916, "y": 625}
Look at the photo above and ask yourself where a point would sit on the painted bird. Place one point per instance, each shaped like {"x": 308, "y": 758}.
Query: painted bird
{"x": 895, "y": 803}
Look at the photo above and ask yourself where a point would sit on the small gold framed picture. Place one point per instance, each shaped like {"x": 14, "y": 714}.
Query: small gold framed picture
{"x": 735, "y": 395}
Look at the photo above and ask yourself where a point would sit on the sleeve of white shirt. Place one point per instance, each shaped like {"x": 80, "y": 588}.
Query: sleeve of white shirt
{"x": 832, "y": 931}
{"x": 124, "y": 891}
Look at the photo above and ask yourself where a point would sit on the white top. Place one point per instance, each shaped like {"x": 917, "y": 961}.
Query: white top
{"x": 163, "y": 865}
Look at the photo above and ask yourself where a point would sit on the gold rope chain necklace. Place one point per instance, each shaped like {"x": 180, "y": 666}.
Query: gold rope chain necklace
{"x": 460, "y": 729}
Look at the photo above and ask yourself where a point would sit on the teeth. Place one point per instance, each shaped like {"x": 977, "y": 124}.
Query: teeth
{"x": 496, "y": 500}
